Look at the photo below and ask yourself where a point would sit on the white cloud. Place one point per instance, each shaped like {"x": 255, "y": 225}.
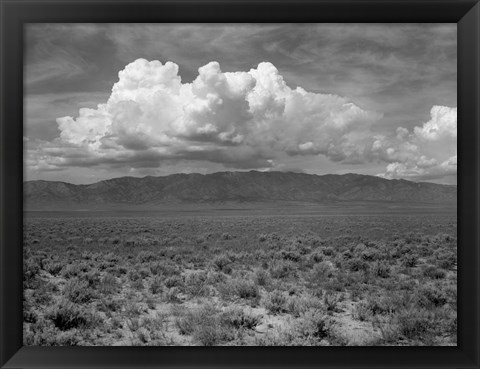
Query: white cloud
{"x": 428, "y": 152}
{"x": 241, "y": 119}
{"x": 443, "y": 124}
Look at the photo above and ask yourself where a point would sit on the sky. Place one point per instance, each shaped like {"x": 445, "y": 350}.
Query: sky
{"x": 110, "y": 100}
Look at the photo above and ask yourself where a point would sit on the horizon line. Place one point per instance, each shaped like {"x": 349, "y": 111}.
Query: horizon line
{"x": 249, "y": 171}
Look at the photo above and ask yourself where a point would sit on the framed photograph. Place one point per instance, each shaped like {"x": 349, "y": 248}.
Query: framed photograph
{"x": 292, "y": 184}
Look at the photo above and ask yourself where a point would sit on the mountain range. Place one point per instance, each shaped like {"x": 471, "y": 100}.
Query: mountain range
{"x": 231, "y": 187}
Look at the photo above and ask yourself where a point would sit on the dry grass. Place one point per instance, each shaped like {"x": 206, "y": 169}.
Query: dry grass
{"x": 240, "y": 280}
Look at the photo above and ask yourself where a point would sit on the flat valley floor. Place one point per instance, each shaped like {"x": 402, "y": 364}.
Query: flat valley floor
{"x": 240, "y": 275}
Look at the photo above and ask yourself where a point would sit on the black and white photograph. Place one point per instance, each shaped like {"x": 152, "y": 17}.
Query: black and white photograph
{"x": 224, "y": 184}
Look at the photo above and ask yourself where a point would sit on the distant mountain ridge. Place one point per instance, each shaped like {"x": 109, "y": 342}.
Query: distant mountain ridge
{"x": 223, "y": 187}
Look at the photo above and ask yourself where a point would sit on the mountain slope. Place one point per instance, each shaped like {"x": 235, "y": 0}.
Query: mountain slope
{"x": 232, "y": 187}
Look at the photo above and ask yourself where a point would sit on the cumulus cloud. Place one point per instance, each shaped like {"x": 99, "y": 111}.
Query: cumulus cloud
{"x": 428, "y": 152}
{"x": 240, "y": 119}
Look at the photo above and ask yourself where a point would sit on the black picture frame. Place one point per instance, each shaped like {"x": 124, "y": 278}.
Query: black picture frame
{"x": 15, "y": 13}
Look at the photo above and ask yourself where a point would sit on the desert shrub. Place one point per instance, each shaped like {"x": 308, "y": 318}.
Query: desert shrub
{"x": 328, "y": 251}
{"x": 386, "y": 303}
{"x": 297, "y": 305}
{"x": 291, "y": 255}
{"x": 31, "y": 268}
{"x": 179, "y": 259}
{"x": 110, "y": 305}
{"x": 144, "y": 272}
{"x": 117, "y": 323}
{"x": 239, "y": 288}
{"x": 196, "y": 283}
{"x": 49, "y": 335}
{"x": 171, "y": 295}
{"x": 282, "y": 336}
{"x": 75, "y": 270}
{"x": 412, "y": 238}
{"x": 44, "y": 291}
{"x": 186, "y": 271}
{"x": 226, "y": 236}
{"x": 108, "y": 285}
{"x": 424, "y": 250}
{"x": 246, "y": 289}
{"x": 370, "y": 254}
{"x": 415, "y": 324}
{"x": 389, "y": 330}
{"x": 444, "y": 238}
{"x": 174, "y": 281}
{"x": 146, "y": 256}
{"x": 106, "y": 264}
{"x": 270, "y": 237}
{"x": 208, "y": 334}
{"x": 133, "y": 324}
{"x": 357, "y": 264}
{"x": 226, "y": 289}
{"x": 204, "y": 324}
{"x": 29, "y": 315}
{"x": 211, "y": 277}
{"x": 111, "y": 258}
{"x": 407, "y": 285}
{"x": 54, "y": 268}
{"x": 314, "y": 326}
{"x": 331, "y": 301}
{"x": 275, "y": 302}
{"x": 446, "y": 263}
{"x": 163, "y": 268}
{"x": 316, "y": 256}
{"x": 67, "y": 316}
{"x": 346, "y": 255}
{"x": 337, "y": 283}
{"x": 143, "y": 335}
{"x": 446, "y": 321}
{"x": 356, "y": 289}
{"x": 156, "y": 286}
{"x": 114, "y": 240}
{"x": 262, "y": 277}
{"x": 92, "y": 278}
{"x": 434, "y": 273}
{"x": 78, "y": 291}
{"x": 137, "y": 285}
{"x": 432, "y": 296}
{"x": 134, "y": 275}
{"x": 282, "y": 269}
{"x": 237, "y": 318}
{"x": 380, "y": 269}
{"x": 157, "y": 326}
{"x": 404, "y": 246}
{"x": 222, "y": 263}
{"x": 359, "y": 248}
{"x": 321, "y": 272}
{"x": 451, "y": 293}
{"x": 151, "y": 302}
{"x": 409, "y": 260}
{"x": 362, "y": 311}
{"x": 308, "y": 331}
{"x": 200, "y": 239}
{"x": 129, "y": 242}
{"x": 133, "y": 309}
{"x": 446, "y": 259}
{"x": 117, "y": 271}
